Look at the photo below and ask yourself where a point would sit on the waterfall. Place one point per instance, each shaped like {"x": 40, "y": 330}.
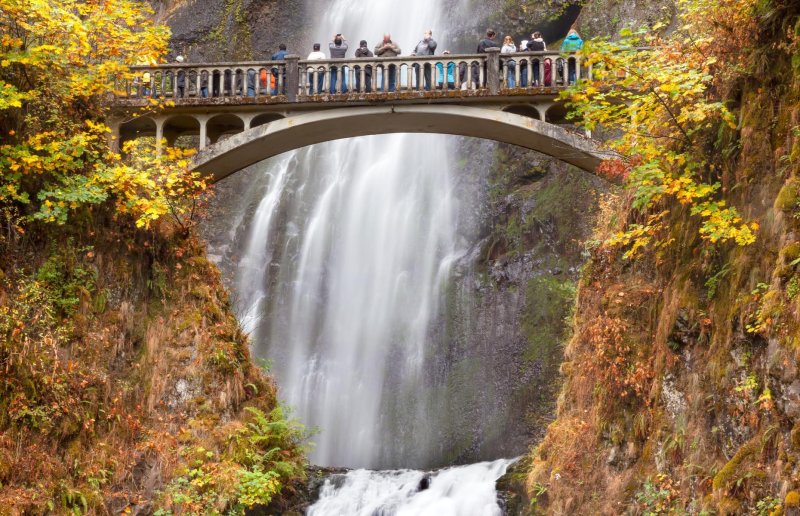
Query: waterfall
{"x": 343, "y": 269}
{"x": 459, "y": 491}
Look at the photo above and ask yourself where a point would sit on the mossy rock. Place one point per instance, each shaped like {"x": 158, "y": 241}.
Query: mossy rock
{"x": 795, "y": 437}
{"x": 792, "y": 499}
{"x": 791, "y": 252}
{"x": 729, "y": 506}
{"x": 733, "y": 470}
{"x": 788, "y": 196}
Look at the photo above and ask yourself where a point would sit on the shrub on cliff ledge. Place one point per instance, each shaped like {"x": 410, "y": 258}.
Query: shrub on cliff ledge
{"x": 667, "y": 106}
{"x": 58, "y": 58}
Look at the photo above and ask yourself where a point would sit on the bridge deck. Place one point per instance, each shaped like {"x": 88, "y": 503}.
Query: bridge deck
{"x": 308, "y": 80}
{"x": 514, "y": 95}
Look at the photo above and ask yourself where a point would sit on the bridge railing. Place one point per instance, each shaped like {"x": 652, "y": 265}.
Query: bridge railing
{"x": 253, "y": 79}
{"x": 300, "y": 79}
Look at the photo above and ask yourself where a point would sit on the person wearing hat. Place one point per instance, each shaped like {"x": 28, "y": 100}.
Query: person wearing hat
{"x": 361, "y": 52}
{"x": 451, "y": 74}
{"x": 180, "y": 78}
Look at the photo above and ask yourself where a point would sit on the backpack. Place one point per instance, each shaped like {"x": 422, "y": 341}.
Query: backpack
{"x": 536, "y": 46}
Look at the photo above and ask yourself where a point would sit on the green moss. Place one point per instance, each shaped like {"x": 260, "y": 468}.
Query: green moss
{"x": 795, "y": 437}
{"x": 791, "y": 252}
{"x": 788, "y": 196}
{"x": 232, "y": 37}
{"x": 733, "y": 470}
{"x": 547, "y": 303}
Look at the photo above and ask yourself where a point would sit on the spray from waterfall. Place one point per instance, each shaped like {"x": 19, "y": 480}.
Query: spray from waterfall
{"x": 345, "y": 265}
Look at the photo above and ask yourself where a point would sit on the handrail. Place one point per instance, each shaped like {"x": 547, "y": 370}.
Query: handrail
{"x": 296, "y": 80}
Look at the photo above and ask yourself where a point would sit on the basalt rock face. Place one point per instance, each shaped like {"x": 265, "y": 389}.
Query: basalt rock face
{"x": 508, "y": 304}
{"x": 231, "y": 30}
{"x": 608, "y": 18}
{"x": 702, "y": 415}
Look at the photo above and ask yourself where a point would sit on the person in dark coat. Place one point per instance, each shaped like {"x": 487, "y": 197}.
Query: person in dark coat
{"x": 487, "y": 42}
{"x": 180, "y": 78}
{"x": 280, "y": 55}
{"x": 425, "y": 47}
{"x": 537, "y": 44}
{"x": 362, "y": 52}
{"x": 338, "y": 50}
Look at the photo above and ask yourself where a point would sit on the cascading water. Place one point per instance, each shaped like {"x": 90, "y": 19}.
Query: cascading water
{"x": 459, "y": 491}
{"x": 341, "y": 280}
{"x": 344, "y": 267}
{"x": 349, "y": 308}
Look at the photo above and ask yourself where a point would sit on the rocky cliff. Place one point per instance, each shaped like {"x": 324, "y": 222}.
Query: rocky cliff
{"x": 681, "y": 378}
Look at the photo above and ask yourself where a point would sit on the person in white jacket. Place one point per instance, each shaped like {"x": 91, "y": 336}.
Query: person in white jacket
{"x": 316, "y": 55}
{"x": 509, "y": 48}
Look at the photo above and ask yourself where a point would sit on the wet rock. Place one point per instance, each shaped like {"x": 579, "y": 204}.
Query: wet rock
{"x": 791, "y": 400}
{"x": 424, "y": 483}
{"x": 512, "y": 495}
{"x": 684, "y": 332}
{"x": 674, "y": 400}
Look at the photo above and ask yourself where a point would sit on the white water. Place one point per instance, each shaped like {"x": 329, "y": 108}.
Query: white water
{"x": 343, "y": 269}
{"x": 341, "y": 279}
{"x": 458, "y": 491}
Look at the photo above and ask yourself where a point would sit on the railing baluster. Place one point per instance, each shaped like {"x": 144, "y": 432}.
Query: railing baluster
{"x": 411, "y": 74}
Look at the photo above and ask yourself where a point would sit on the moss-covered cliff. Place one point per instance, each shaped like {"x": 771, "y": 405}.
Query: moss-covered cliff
{"x": 681, "y": 385}
{"x": 126, "y": 384}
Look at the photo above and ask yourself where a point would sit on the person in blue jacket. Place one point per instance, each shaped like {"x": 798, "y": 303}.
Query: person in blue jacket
{"x": 280, "y": 55}
{"x": 572, "y": 43}
{"x": 451, "y": 74}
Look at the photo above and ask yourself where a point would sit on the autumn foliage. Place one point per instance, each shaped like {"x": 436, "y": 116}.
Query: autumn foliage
{"x": 661, "y": 95}
{"x": 59, "y": 60}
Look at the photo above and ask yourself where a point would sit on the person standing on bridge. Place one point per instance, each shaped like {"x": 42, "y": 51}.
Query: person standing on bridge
{"x": 316, "y": 55}
{"x": 388, "y": 49}
{"x": 537, "y": 44}
{"x": 280, "y": 55}
{"x": 180, "y": 78}
{"x": 572, "y": 43}
{"x": 338, "y": 50}
{"x": 487, "y": 42}
{"x": 426, "y": 47}
{"x": 509, "y": 47}
{"x": 451, "y": 73}
{"x": 362, "y": 52}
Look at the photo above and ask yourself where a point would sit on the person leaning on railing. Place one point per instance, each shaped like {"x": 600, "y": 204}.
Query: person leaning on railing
{"x": 509, "y": 47}
{"x": 487, "y": 42}
{"x": 315, "y": 55}
{"x": 338, "y": 50}
{"x": 180, "y": 79}
{"x": 280, "y": 55}
{"x": 451, "y": 74}
{"x": 537, "y": 44}
{"x": 572, "y": 43}
{"x": 387, "y": 48}
{"x": 426, "y": 47}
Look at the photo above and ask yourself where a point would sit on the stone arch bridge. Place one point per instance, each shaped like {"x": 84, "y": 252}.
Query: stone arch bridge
{"x": 242, "y": 113}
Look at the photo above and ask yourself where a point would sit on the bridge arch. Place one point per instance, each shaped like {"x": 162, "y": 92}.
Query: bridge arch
{"x": 527, "y": 110}
{"x": 223, "y": 125}
{"x": 180, "y": 125}
{"x": 265, "y": 118}
{"x": 137, "y": 128}
{"x": 258, "y": 143}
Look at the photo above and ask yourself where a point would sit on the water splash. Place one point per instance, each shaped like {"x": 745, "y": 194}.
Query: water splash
{"x": 344, "y": 269}
{"x": 458, "y": 491}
